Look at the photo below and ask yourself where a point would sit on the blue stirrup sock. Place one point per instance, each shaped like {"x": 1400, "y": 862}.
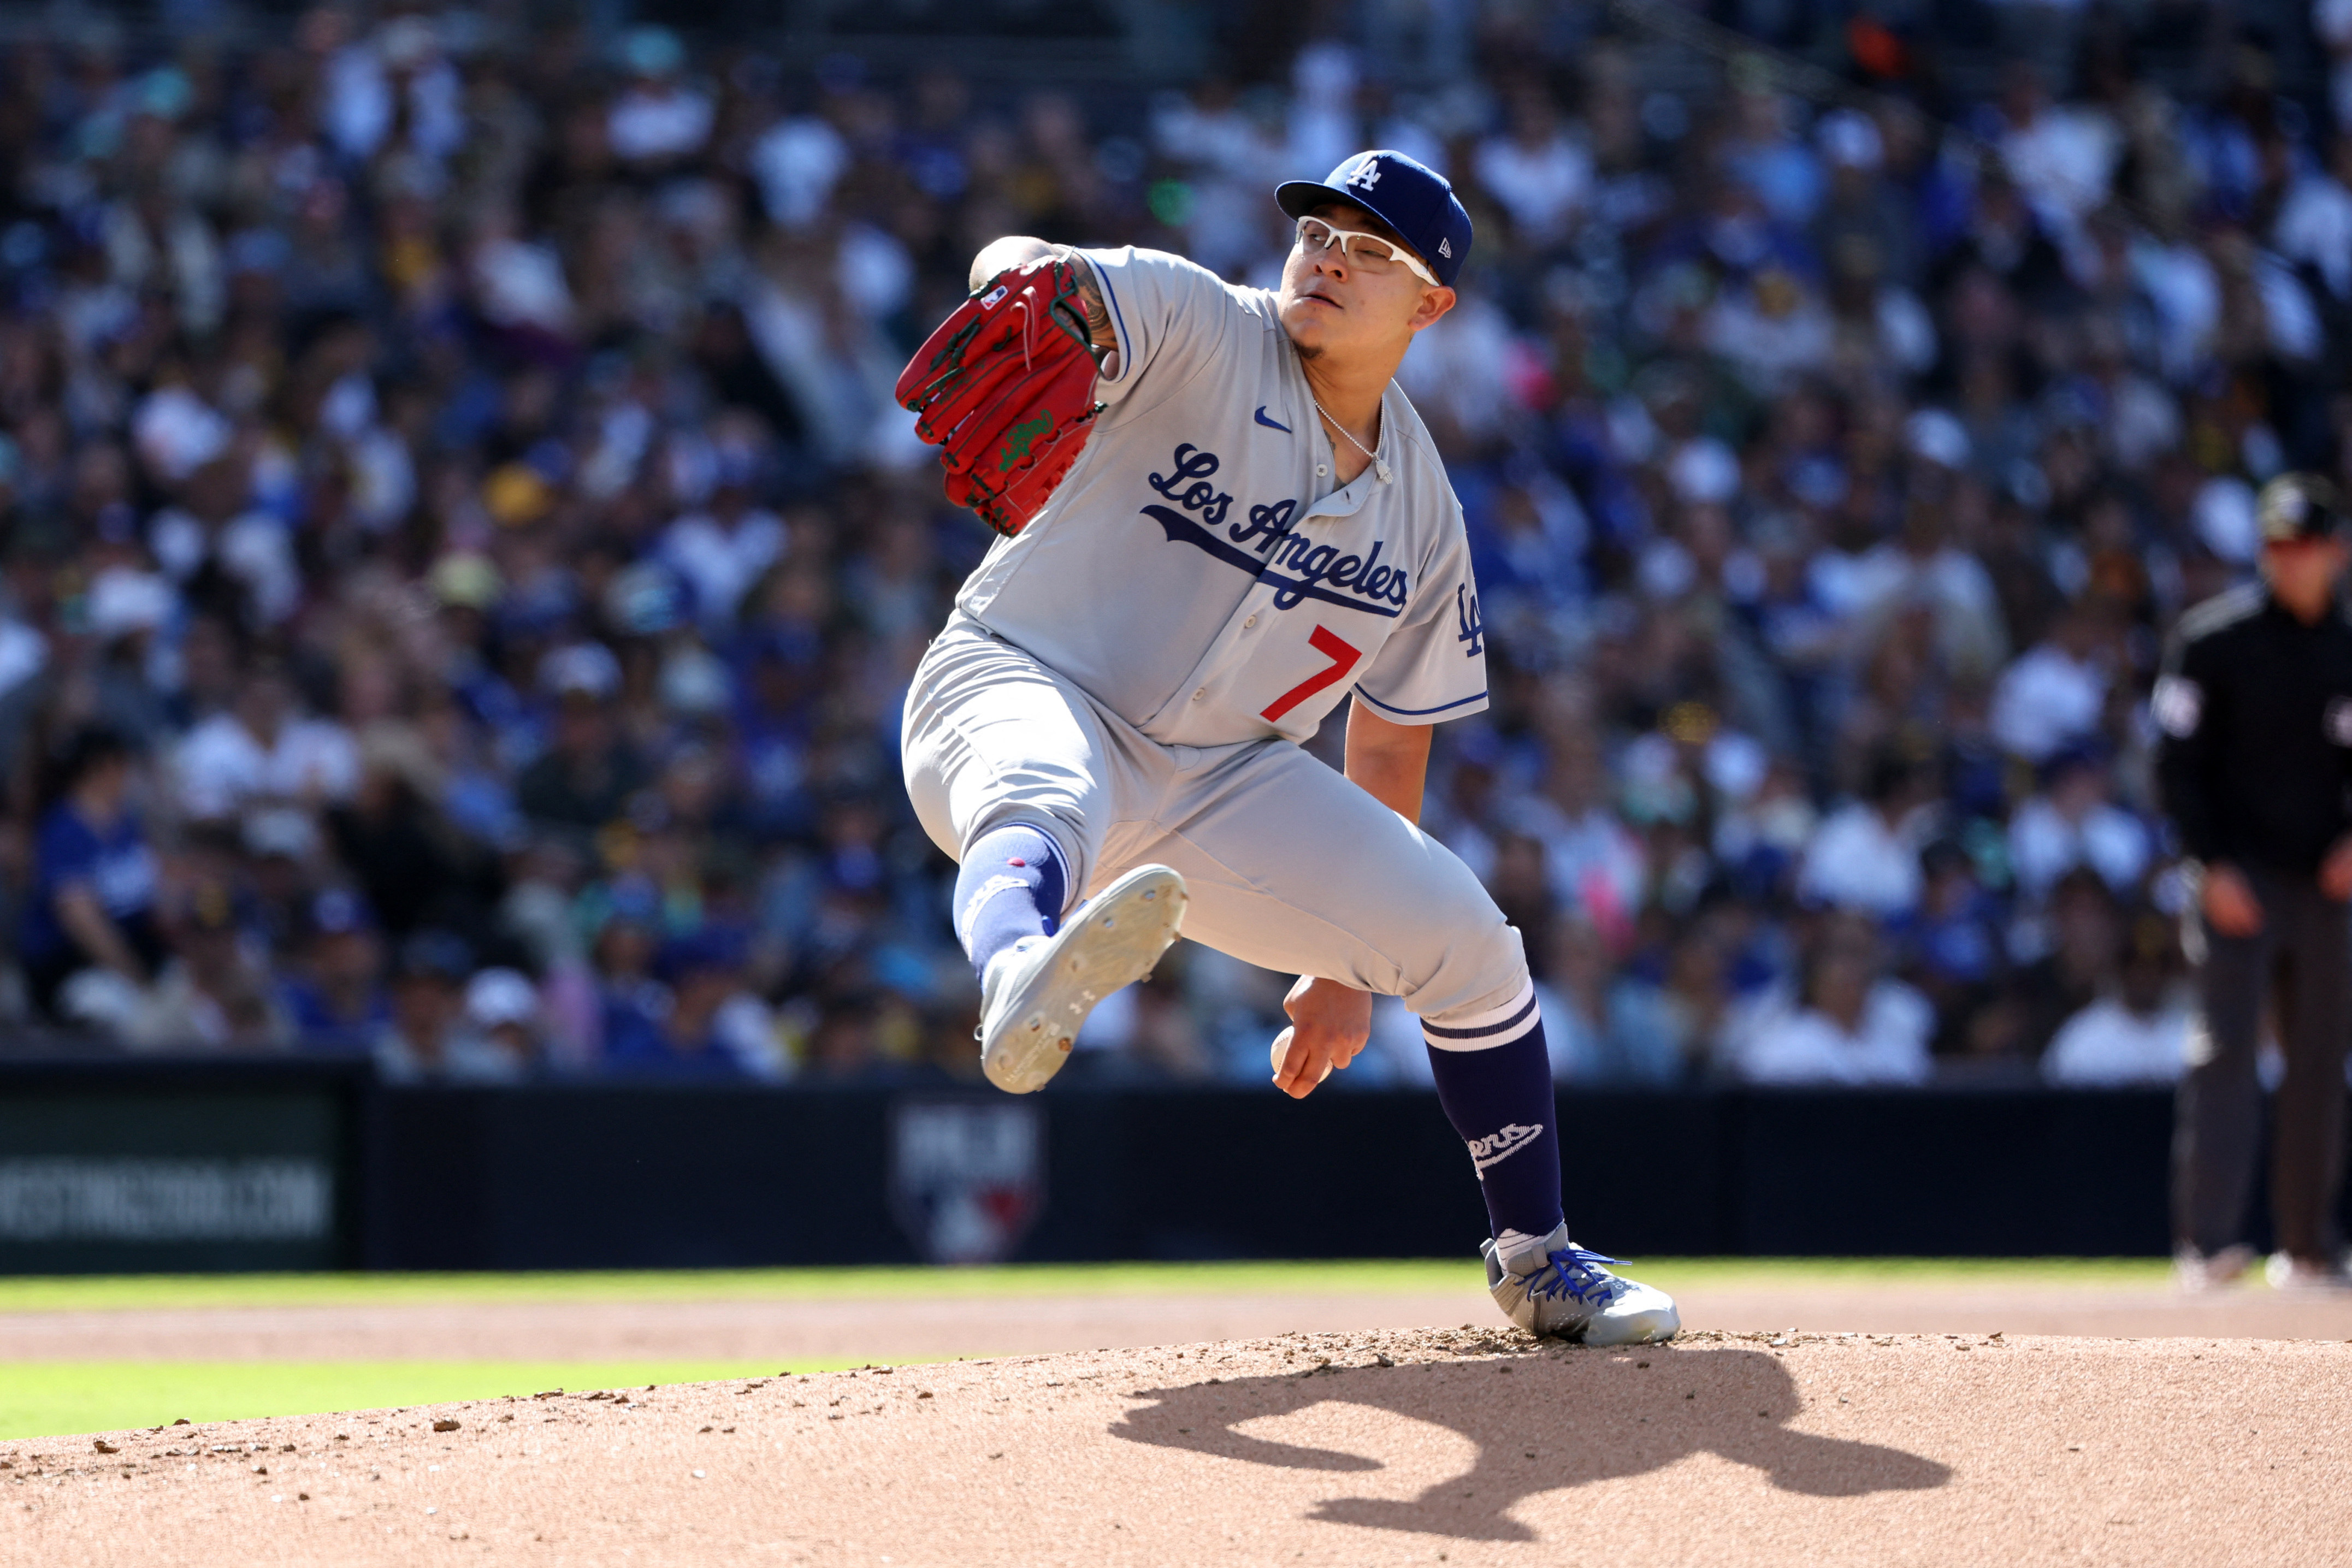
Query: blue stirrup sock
{"x": 1494, "y": 1079}
{"x": 1012, "y": 886}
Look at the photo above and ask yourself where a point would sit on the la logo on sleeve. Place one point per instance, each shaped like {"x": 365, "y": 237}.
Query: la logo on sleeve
{"x": 1467, "y": 617}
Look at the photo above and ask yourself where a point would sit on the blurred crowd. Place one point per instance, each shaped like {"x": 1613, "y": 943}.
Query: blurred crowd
{"x": 462, "y": 562}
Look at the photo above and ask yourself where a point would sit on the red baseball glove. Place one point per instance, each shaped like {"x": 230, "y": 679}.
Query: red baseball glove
{"x": 1005, "y": 388}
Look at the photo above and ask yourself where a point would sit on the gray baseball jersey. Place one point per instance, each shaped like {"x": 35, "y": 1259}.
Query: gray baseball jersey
{"x": 1199, "y": 572}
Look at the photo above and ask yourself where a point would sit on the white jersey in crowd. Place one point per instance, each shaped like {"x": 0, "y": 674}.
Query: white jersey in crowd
{"x": 1198, "y": 573}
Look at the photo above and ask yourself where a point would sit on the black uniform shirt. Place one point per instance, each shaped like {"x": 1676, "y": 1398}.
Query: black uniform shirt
{"x": 2255, "y": 708}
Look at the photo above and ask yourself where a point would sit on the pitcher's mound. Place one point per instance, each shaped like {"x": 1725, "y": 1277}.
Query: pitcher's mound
{"x": 1463, "y": 1447}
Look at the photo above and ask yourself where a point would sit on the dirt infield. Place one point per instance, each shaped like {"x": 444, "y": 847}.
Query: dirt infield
{"x": 920, "y": 1327}
{"x": 1463, "y": 1447}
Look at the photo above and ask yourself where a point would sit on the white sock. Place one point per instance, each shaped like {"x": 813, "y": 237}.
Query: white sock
{"x": 1510, "y": 1244}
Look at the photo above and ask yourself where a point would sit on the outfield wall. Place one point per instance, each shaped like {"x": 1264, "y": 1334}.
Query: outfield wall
{"x": 122, "y": 1165}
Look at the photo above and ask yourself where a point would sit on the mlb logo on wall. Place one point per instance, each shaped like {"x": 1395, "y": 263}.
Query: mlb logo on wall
{"x": 967, "y": 1176}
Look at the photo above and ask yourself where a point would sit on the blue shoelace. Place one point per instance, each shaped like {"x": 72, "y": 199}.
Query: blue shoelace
{"x": 1576, "y": 1274}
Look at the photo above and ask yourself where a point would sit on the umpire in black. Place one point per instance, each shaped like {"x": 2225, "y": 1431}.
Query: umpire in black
{"x": 2255, "y": 766}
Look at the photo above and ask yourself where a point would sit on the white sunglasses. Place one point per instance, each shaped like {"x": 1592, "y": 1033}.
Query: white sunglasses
{"x": 1315, "y": 235}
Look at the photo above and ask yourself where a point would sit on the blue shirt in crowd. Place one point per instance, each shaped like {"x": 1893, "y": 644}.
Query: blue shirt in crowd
{"x": 114, "y": 863}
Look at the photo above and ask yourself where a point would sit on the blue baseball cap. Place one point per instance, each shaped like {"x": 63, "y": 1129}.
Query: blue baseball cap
{"x": 340, "y": 912}
{"x": 1409, "y": 196}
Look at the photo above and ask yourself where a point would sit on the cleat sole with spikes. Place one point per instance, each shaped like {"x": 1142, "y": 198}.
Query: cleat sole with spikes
{"x": 1038, "y": 995}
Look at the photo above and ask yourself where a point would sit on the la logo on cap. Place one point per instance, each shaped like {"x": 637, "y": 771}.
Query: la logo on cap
{"x": 1367, "y": 174}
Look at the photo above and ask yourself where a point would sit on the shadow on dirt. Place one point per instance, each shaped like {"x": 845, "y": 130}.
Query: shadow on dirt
{"x": 1541, "y": 1421}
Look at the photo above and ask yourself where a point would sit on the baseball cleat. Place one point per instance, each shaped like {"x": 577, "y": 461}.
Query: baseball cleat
{"x": 1038, "y": 992}
{"x": 2195, "y": 1272}
{"x": 2302, "y": 1277}
{"x": 1556, "y": 1287}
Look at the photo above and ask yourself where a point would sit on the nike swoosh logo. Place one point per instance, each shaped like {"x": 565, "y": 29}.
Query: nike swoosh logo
{"x": 1269, "y": 423}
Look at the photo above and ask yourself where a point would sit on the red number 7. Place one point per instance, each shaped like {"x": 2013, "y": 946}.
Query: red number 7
{"x": 1343, "y": 659}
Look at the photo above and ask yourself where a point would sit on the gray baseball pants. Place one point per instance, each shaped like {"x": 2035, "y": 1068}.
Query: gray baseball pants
{"x": 1290, "y": 866}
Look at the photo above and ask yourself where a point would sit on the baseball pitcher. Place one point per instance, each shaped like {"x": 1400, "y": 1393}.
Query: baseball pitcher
{"x": 1222, "y": 520}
